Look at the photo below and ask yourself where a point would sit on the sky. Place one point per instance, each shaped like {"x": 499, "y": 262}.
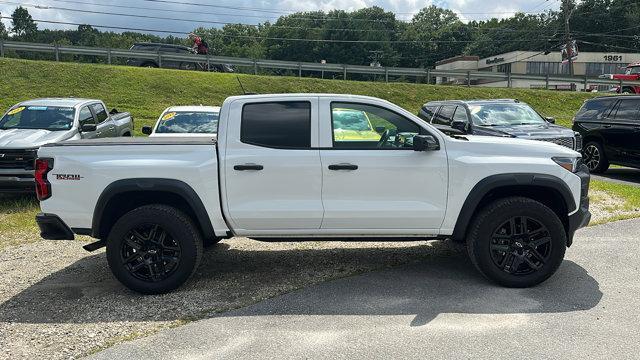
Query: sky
{"x": 243, "y": 11}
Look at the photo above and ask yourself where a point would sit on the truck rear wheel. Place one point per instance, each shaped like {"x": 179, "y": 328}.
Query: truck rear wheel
{"x": 154, "y": 249}
{"x": 517, "y": 242}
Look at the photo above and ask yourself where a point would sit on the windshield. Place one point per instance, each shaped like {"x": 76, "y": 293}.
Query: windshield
{"x": 188, "y": 122}
{"x": 504, "y": 114}
{"x": 50, "y": 118}
{"x": 356, "y": 120}
{"x": 633, "y": 70}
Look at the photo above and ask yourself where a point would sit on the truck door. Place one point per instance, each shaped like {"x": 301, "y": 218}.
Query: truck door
{"x": 624, "y": 134}
{"x": 106, "y": 126}
{"x": 373, "y": 180}
{"x": 271, "y": 164}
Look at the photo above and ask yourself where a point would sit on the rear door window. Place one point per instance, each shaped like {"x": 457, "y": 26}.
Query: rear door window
{"x": 627, "y": 110}
{"x": 445, "y": 115}
{"x": 594, "y": 110}
{"x": 429, "y": 111}
{"x": 100, "y": 111}
{"x": 285, "y": 124}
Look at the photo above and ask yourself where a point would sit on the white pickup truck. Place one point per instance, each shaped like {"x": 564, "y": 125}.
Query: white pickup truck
{"x": 301, "y": 166}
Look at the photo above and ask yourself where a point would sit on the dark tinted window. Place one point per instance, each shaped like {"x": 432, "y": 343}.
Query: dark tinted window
{"x": 594, "y": 109}
{"x": 428, "y": 112}
{"x": 461, "y": 114}
{"x": 627, "y": 109}
{"x": 277, "y": 124}
{"x": 445, "y": 115}
{"x": 85, "y": 116}
{"x": 101, "y": 112}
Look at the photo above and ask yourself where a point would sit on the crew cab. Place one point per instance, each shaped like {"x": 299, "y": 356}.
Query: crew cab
{"x": 278, "y": 171}
{"x": 186, "y": 121}
{"x": 28, "y": 125}
{"x": 499, "y": 117}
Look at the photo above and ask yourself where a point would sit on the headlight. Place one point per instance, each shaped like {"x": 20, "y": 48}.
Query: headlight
{"x": 569, "y": 163}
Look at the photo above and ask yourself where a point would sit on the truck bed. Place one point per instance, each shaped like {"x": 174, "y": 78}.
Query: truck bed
{"x": 137, "y": 141}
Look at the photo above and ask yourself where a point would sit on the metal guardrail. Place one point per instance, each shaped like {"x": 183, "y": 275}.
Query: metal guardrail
{"x": 344, "y": 69}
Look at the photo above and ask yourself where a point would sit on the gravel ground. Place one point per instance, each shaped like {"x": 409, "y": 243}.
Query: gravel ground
{"x": 58, "y": 301}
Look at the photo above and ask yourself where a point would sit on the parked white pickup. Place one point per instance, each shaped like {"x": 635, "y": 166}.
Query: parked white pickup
{"x": 304, "y": 166}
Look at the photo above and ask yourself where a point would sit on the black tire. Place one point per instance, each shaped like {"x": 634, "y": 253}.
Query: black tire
{"x": 594, "y": 157}
{"x": 489, "y": 249}
{"x": 136, "y": 243}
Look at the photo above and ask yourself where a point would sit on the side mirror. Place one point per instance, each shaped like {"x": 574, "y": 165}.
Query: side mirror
{"x": 147, "y": 130}
{"x": 550, "y": 120}
{"x": 425, "y": 143}
{"x": 88, "y": 128}
{"x": 380, "y": 129}
{"x": 461, "y": 126}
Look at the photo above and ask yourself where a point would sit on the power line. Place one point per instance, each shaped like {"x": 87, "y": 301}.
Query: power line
{"x": 275, "y": 38}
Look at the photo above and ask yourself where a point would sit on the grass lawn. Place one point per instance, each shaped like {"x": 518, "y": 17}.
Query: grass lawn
{"x": 147, "y": 92}
{"x": 617, "y": 201}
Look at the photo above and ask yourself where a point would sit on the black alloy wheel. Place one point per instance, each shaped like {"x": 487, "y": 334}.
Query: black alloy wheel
{"x": 520, "y": 246}
{"x": 150, "y": 253}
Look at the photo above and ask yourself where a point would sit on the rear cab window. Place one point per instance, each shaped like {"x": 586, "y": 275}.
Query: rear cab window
{"x": 281, "y": 124}
{"x": 100, "y": 111}
{"x": 626, "y": 110}
{"x": 594, "y": 109}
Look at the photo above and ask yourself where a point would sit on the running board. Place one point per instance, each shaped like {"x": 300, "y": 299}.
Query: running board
{"x": 95, "y": 246}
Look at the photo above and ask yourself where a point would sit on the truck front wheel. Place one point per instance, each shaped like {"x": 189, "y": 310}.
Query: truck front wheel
{"x": 154, "y": 249}
{"x": 517, "y": 242}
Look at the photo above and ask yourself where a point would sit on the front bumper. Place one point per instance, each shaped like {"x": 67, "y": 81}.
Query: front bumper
{"x": 53, "y": 228}
{"x": 580, "y": 218}
{"x": 19, "y": 181}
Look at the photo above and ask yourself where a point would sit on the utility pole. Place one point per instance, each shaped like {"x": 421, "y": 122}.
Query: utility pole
{"x": 568, "y": 11}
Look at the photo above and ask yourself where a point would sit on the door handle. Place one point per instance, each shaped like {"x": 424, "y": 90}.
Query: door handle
{"x": 606, "y": 126}
{"x": 112, "y": 128}
{"x": 343, "y": 167}
{"x": 246, "y": 167}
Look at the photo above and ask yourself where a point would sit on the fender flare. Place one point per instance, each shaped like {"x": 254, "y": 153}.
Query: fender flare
{"x": 176, "y": 187}
{"x": 488, "y": 184}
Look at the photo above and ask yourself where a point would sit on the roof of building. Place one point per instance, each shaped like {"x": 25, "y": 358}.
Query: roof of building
{"x": 457, "y": 58}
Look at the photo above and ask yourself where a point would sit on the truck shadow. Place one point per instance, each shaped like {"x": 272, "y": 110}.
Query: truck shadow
{"x": 438, "y": 279}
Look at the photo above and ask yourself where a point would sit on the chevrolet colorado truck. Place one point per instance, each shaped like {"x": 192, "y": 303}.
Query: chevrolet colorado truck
{"x": 277, "y": 171}
{"x": 28, "y": 125}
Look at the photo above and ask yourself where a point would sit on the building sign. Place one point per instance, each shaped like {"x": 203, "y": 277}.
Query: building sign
{"x": 612, "y": 58}
{"x": 574, "y": 52}
{"x": 495, "y": 60}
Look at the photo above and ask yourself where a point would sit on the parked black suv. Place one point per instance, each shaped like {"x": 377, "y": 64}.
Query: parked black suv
{"x": 502, "y": 117}
{"x": 610, "y": 127}
{"x": 170, "y": 49}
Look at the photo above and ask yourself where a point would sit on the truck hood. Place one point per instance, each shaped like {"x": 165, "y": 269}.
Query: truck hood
{"x": 539, "y": 131}
{"x": 31, "y": 138}
{"x": 518, "y": 146}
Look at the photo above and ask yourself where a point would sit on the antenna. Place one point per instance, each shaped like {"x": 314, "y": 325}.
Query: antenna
{"x": 242, "y": 87}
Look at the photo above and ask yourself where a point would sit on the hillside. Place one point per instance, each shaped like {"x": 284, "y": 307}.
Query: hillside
{"x": 146, "y": 92}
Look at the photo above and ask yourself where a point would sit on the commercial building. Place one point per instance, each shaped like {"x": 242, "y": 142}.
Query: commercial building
{"x": 591, "y": 64}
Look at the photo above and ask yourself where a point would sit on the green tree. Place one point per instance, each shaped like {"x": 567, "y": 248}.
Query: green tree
{"x": 3, "y": 29}
{"x": 22, "y": 24}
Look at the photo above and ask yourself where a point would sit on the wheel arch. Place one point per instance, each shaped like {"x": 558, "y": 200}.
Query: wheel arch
{"x": 122, "y": 196}
{"x": 547, "y": 189}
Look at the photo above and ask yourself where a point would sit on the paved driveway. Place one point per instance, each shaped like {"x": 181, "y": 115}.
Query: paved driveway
{"x": 438, "y": 308}
{"x": 626, "y": 176}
